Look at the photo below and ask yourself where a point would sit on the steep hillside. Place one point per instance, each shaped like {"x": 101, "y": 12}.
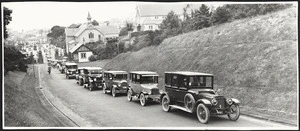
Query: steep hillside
{"x": 253, "y": 59}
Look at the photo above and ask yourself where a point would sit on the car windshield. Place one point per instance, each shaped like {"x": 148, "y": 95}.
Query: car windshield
{"x": 95, "y": 71}
{"x": 200, "y": 82}
{"x": 120, "y": 76}
{"x": 149, "y": 79}
{"x": 71, "y": 66}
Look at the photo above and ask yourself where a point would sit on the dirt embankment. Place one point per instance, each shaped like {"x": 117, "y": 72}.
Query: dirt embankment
{"x": 24, "y": 105}
{"x": 253, "y": 59}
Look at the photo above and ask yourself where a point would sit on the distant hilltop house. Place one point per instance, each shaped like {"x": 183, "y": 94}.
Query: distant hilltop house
{"x": 150, "y": 16}
{"x": 85, "y": 33}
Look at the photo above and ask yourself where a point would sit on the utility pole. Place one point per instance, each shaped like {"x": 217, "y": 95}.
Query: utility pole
{"x": 33, "y": 67}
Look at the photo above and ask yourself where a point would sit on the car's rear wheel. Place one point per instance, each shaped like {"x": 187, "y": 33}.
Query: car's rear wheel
{"x": 165, "y": 103}
{"x": 234, "y": 112}
{"x": 203, "y": 113}
{"x": 142, "y": 99}
{"x": 129, "y": 95}
{"x": 113, "y": 92}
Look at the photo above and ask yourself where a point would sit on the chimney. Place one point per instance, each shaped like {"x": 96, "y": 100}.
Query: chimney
{"x": 107, "y": 23}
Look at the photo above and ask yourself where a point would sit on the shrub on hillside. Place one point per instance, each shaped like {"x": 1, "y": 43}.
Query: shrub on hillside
{"x": 14, "y": 59}
{"x": 93, "y": 58}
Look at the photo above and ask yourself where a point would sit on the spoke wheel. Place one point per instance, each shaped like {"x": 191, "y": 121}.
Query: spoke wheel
{"x": 189, "y": 102}
{"x": 234, "y": 112}
{"x": 91, "y": 87}
{"x": 142, "y": 99}
{"x": 165, "y": 103}
{"x": 129, "y": 95}
{"x": 203, "y": 113}
{"x": 113, "y": 92}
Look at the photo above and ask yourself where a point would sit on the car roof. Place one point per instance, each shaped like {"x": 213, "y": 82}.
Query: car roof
{"x": 93, "y": 68}
{"x": 116, "y": 72}
{"x": 189, "y": 73}
{"x": 70, "y": 63}
{"x": 145, "y": 73}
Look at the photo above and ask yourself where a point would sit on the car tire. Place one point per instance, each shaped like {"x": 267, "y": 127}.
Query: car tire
{"x": 142, "y": 99}
{"x": 80, "y": 82}
{"x": 234, "y": 109}
{"x": 91, "y": 87}
{"x": 165, "y": 103}
{"x": 104, "y": 89}
{"x": 203, "y": 113}
{"x": 189, "y": 102}
{"x": 129, "y": 95}
{"x": 113, "y": 92}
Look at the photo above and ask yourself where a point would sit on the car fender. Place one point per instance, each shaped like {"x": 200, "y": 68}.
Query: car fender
{"x": 236, "y": 101}
{"x": 163, "y": 94}
{"x": 204, "y": 101}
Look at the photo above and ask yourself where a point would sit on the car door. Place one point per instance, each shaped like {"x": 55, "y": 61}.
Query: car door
{"x": 182, "y": 88}
{"x": 174, "y": 87}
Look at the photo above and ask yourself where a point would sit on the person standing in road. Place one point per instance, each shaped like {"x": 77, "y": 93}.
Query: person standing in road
{"x": 49, "y": 69}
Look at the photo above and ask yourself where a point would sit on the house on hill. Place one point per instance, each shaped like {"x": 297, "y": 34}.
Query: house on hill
{"x": 150, "y": 16}
{"x": 81, "y": 53}
{"x": 87, "y": 32}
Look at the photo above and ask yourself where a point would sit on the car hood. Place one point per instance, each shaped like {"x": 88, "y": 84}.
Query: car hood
{"x": 96, "y": 75}
{"x": 120, "y": 81}
{"x": 149, "y": 86}
{"x": 71, "y": 69}
{"x": 208, "y": 93}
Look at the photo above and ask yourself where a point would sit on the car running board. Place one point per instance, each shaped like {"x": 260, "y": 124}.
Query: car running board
{"x": 181, "y": 108}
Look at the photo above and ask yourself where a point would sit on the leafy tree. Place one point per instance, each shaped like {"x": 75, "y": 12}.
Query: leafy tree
{"x": 172, "y": 21}
{"x": 95, "y": 23}
{"x": 7, "y": 19}
{"x": 201, "y": 17}
{"x": 123, "y": 31}
{"x": 14, "y": 59}
{"x": 57, "y": 36}
{"x": 129, "y": 26}
{"x": 221, "y": 15}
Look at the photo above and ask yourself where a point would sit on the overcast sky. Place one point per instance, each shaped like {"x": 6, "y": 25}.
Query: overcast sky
{"x": 36, "y": 15}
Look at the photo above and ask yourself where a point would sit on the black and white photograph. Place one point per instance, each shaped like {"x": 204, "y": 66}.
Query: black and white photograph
{"x": 198, "y": 65}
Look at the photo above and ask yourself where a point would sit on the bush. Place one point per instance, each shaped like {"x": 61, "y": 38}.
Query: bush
{"x": 93, "y": 58}
{"x": 14, "y": 59}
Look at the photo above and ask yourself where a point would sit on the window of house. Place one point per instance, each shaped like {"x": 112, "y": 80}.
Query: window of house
{"x": 156, "y": 17}
{"x": 91, "y": 35}
{"x": 83, "y": 55}
{"x": 150, "y": 27}
{"x": 99, "y": 36}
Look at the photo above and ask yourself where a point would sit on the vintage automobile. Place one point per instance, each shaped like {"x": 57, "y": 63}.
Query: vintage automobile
{"x": 70, "y": 70}
{"x": 115, "y": 82}
{"x": 193, "y": 92}
{"x": 92, "y": 78}
{"x": 79, "y": 75}
{"x": 143, "y": 85}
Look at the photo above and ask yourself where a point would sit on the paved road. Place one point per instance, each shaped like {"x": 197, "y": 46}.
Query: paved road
{"x": 102, "y": 110}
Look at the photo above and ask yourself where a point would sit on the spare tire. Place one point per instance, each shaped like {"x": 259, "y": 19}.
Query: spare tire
{"x": 189, "y": 102}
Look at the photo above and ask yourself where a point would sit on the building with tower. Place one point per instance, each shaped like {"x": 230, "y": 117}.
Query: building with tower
{"x": 78, "y": 36}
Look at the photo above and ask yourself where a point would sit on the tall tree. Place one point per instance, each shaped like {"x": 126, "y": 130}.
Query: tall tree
{"x": 202, "y": 16}
{"x": 95, "y": 23}
{"x": 7, "y": 19}
{"x": 171, "y": 22}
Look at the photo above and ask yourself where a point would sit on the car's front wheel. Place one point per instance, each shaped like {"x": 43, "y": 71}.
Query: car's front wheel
{"x": 129, "y": 95}
{"x": 91, "y": 87}
{"x": 234, "y": 112}
{"x": 203, "y": 113}
{"x": 113, "y": 92}
{"x": 165, "y": 103}
{"x": 142, "y": 99}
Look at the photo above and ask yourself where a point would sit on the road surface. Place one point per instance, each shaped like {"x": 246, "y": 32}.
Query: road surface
{"x": 96, "y": 109}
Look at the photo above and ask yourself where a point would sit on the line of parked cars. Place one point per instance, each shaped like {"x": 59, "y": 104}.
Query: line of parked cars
{"x": 192, "y": 92}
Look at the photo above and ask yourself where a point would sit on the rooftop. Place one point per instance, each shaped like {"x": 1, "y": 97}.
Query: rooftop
{"x": 144, "y": 73}
{"x": 93, "y": 68}
{"x": 69, "y": 63}
{"x": 116, "y": 72}
{"x": 189, "y": 73}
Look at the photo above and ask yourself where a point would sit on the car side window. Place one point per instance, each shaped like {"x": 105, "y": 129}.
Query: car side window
{"x": 168, "y": 79}
{"x": 174, "y": 81}
{"x": 138, "y": 79}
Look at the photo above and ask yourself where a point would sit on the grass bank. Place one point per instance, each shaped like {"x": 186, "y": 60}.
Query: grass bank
{"x": 253, "y": 59}
{"x": 24, "y": 105}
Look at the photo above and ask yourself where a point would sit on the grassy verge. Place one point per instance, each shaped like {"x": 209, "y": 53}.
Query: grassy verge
{"x": 23, "y": 105}
{"x": 253, "y": 59}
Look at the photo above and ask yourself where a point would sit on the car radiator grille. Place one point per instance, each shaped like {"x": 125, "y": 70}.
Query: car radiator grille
{"x": 221, "y": 103}
{"x": 155, "y": 91}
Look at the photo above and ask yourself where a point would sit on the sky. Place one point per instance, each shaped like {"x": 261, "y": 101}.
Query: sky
{"x": 38, "y": 15}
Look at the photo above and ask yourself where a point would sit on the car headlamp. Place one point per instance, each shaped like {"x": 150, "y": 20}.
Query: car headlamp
{"x": 119, "y": 84}
{"x": 91, "y": 80}
{"x": 95, "y": 79}
{"x": 229, "y": 101}
{"x": 214, "y": 101}
{"x": 149, "y": 92}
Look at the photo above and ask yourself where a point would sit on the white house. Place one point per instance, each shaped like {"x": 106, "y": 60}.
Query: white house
{"x": 150, "y": 16}
{"x": 81, "y": 53}
{"x": 87, "y": 32}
